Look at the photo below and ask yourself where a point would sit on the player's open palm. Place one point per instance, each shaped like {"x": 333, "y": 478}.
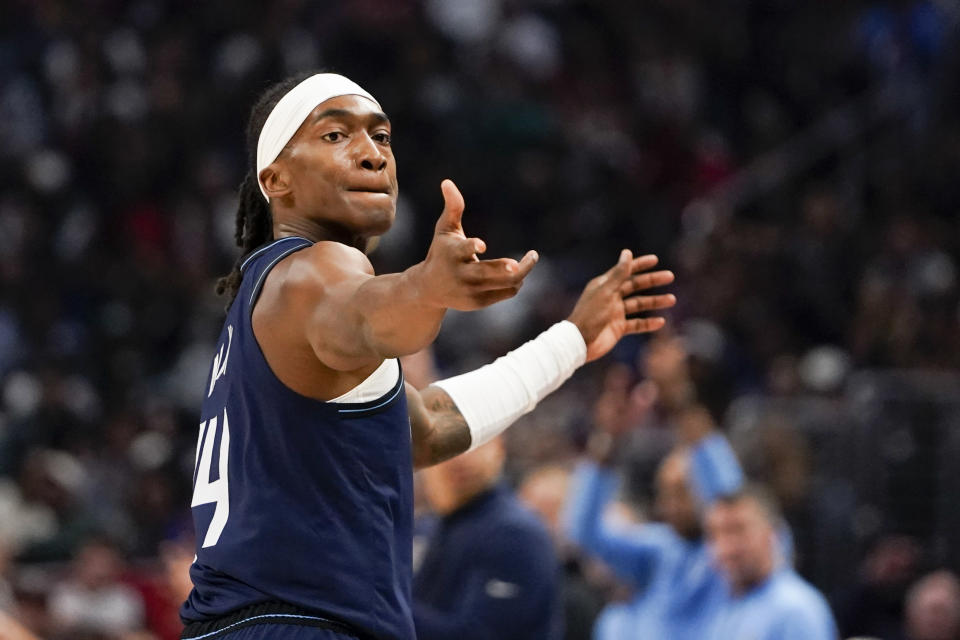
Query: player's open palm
{"x": 607, "y": 308}
{"x": 456, "y": 278}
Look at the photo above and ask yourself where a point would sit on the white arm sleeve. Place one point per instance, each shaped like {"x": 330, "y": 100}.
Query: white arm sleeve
{"x": 492, "y": 397}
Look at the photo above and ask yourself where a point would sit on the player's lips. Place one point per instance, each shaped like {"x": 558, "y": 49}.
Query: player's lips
{"x": 371, "y": 189}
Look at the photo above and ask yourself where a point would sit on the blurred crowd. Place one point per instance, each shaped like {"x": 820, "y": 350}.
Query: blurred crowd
{"x": 819, "y": 313}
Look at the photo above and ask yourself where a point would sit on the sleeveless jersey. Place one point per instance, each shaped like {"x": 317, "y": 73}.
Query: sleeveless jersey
{"x": 296, "y": 500}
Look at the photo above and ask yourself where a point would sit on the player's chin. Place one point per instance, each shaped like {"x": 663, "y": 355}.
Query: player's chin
{"x": 377, "y": 218}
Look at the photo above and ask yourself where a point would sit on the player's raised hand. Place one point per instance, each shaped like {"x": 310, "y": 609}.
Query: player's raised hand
{"x": 607, "y": 308}
{"x": 453, "y": 274}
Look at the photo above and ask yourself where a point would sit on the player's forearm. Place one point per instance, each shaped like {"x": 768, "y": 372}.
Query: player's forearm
{"x": 461, "y": 413}
{"x": 443, "y": 433}
{"x": 494, "y": 396}
{"x": 396, "y": 314}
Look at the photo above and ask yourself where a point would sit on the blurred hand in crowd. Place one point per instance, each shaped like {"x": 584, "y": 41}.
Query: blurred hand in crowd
{"x": 620, "y": 407}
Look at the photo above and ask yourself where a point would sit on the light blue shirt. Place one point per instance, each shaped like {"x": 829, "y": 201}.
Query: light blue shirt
{"x": 785, "y": 607}
{"x": 679, "y": 590}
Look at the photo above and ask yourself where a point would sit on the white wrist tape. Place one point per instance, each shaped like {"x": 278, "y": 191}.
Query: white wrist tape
{"x": 492, "y": 397}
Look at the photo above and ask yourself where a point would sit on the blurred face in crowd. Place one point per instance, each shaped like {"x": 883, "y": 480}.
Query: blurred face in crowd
{"x": 338, "y": 170}
{"x": 451, "y": 484}
{"x": 742, "y": 540}
{"x": 933, "y": 608}
{"x": 545, "y": 491}
{"x": 675, "y": 503}
{"x": 892, "y": 563}
{"x": 666, "y": 360}
{"x": 97, "y": 565}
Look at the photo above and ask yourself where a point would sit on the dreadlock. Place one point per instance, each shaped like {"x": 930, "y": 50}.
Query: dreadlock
{"x": 254, "y": 219}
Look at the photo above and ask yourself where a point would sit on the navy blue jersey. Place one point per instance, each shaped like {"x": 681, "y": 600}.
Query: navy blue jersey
{"x": 296, "y": 500}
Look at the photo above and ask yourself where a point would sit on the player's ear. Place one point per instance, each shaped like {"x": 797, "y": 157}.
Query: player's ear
{"x": 275, "y": 180}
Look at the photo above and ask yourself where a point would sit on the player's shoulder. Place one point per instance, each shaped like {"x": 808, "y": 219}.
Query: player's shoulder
{"x": 309, "y": 275}
{"x": 332, "y": 256}
{"x": 322, "y": 264}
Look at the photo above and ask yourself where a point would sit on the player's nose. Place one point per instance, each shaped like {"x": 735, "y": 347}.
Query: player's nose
{"x": 369, "y": 156}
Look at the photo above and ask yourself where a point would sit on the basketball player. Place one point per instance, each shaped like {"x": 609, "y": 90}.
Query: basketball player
{"x": 309, "y": 437}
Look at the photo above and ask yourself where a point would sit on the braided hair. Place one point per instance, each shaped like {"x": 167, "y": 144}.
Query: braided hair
{"x": 254, "y": 218}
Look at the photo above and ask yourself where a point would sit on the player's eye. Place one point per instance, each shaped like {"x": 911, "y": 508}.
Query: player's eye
{"x": 333, "y": 136}
{"x": 382, "y": 137}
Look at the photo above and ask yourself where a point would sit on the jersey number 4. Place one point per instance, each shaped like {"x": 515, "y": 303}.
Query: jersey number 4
{"x": 204, "y": 491}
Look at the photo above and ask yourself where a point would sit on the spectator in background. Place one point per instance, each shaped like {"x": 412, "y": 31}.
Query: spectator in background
{"x": 933, "y": 608}
{"x": 545, "y": 490}
{"x": 764, "y": 599}
{"x": 94, "y": 599}
{"x": 666, "y": 562}
{"x": 164, "y": 585}
{"x": 873, "y": 605}
{"x": 49, "y": 521}
{"x": 490, "y": 571}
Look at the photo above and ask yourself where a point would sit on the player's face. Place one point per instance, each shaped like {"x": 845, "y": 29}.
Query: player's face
{"x": 741, "y": 541}
{"x": 341, "y": 168}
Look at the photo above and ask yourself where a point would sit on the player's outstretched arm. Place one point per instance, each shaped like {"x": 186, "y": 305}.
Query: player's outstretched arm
{"x": 461, "y": 413}
{"x": 356, "y": 318}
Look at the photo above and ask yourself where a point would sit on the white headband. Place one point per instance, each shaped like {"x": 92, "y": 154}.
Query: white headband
{"x": 293, "y": 108}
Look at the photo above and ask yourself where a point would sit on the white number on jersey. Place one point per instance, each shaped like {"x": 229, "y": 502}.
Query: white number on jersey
{"x": 204, "y": 491}
{"x": 220, "y": 361}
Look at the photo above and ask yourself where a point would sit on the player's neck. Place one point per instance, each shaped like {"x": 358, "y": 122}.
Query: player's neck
{"x": 319, "y": 231}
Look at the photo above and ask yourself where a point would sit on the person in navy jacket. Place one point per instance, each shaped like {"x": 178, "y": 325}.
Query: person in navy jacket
{"x": 490, "y": 570}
